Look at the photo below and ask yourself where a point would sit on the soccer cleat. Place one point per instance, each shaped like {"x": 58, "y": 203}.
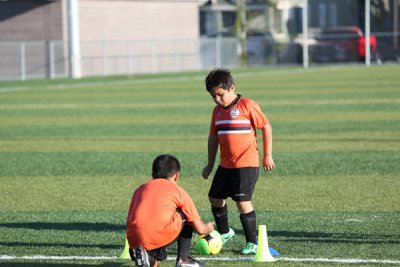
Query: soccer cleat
{"x": 227, "y": 236}
{"x": 189, "y": 262}
{"x": 249, "y": 248}
{"x": 141, "y": 257}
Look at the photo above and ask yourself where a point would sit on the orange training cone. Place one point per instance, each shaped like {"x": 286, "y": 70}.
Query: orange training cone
{"x": 263, "y": 253}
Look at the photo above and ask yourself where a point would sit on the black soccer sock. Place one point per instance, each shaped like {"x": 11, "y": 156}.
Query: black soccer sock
{"x": 249, "y": 224}
{"x": 221, "y": 219}
{"x": 184, "y": 242}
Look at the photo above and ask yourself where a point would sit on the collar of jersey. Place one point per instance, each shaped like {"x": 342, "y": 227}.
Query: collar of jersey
{"x": 237, "y": 99}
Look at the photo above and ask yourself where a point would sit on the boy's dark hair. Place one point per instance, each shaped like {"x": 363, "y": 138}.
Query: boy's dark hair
{"x": 165, "y": 166}
{"x": 219, "y": 78}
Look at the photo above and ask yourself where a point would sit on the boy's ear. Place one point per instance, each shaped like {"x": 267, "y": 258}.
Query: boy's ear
{"x": 175, "y": 178}
{"x": 232, "y": 88}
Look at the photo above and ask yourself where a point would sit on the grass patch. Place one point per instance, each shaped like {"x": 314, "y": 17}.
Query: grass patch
{"x": 73, "y": 151}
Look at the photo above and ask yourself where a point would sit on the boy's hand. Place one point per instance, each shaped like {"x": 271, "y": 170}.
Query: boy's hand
{"x": 210, "y": 226}
{"x": 268, "y": 163}
{"x": 206, "y": 171}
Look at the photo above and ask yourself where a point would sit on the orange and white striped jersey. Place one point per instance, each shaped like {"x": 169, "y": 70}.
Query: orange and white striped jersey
{"x": 236, "y": 129}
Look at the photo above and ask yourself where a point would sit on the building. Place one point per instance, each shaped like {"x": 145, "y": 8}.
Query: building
{"x": 119, "y": 37}
{"x": 116, "y": 36}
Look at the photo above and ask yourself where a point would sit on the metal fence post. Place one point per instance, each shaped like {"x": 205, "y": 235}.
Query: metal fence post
{"x": 367, "y": 33}
{"x": 23, "y": 61}
{"x": 130, "y": 58}
{"x": 395, "y": 22}
{"x": 74, "y": 39}
{"x": 177, "y": 58}
{"x": 51, "y": 59}
{"x": 105, "y": 59}
{"x": 154, "y": 66}
{"x": 218, "y": 51}
{"x": 305, "y": 33}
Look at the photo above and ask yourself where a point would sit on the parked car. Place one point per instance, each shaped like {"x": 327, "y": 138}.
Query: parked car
{"x": 342, "y": 44}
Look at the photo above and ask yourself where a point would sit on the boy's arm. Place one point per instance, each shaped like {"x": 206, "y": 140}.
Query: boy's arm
{"x": 202, "y": 228}
{"x": 212, "y": 154}
{"x": 267, "y": 161}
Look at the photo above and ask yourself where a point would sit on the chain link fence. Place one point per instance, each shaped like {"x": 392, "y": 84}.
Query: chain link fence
{"x": 269, "y": 43}
{"x": 33, "y": 60}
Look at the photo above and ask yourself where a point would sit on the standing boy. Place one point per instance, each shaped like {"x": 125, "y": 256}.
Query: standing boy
{"x": 160, "y": 213}
{"x": 233, "y": 127}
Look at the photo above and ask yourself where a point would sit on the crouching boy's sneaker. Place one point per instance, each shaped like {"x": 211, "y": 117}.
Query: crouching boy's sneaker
{"x": 189, "y": 262}
{"x": 249, "y": 248}
{"x": 141, "y": 257}
{"x": 227, "y": 236}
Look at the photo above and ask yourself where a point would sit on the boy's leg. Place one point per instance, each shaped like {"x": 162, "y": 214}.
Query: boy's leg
{"x": 249, "y": 224}
{"x": 221, "y": 220}
{"x": 220, "y": 216}
{"x": 141, "y": 257}
{"x": 219, "y": 191}
{"x": 184, "y": 241}
{"x": 246, "y": 182}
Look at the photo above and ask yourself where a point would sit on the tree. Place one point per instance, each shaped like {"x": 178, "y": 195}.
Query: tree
{"x": 241, "y": 31}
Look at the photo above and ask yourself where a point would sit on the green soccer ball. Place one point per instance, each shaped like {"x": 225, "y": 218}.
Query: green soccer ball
{"x": 208, "y": 244}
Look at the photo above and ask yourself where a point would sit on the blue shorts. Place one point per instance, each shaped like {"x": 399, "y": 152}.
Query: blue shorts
{"x": 237, "y": 184}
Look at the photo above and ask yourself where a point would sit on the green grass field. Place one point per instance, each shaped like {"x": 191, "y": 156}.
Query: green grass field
{"x": 72, "y": 152}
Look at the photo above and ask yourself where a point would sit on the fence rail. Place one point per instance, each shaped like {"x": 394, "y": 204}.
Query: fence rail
{"x": 49, "y": 59}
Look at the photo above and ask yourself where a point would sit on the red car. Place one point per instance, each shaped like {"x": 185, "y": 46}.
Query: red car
{"x": 342, "y": 44}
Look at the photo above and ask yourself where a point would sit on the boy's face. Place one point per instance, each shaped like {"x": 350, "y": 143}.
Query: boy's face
{"x": 223, "y": 97}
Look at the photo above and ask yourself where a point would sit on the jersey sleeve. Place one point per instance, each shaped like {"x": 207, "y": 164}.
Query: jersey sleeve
{"x": 257, "y": 116}
{"x": 187, "y": 207}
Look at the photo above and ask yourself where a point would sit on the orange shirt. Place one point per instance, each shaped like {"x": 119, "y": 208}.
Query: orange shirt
{"x": 236, "y": 129}
{"x": 152, "y": 218}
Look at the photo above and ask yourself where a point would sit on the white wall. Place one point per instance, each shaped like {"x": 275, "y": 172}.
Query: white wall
{"x": 138, "y": 20}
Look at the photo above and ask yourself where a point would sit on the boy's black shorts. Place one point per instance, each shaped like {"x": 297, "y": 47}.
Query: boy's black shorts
{"x": 237, "y": 184}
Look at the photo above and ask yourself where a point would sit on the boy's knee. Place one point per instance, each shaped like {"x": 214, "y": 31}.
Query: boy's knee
{"x": 244, "y": 206}
{"x": 216, "y": 202}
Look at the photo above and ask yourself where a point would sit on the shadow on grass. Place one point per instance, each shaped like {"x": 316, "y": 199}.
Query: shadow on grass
{"x": 319, "y": 237}
{"x": 76, "y": 226}
{"x": 41, "y": 264}
{"x": 65, "y": 245}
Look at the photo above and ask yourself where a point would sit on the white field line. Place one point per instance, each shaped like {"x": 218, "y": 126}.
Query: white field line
{"x": 193, "y": 104}
{"x": 42, "y": 257}
{"x": 160, "y": 79}
{"x": 108, "y": 258}
{"x": 375, "y": 261}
